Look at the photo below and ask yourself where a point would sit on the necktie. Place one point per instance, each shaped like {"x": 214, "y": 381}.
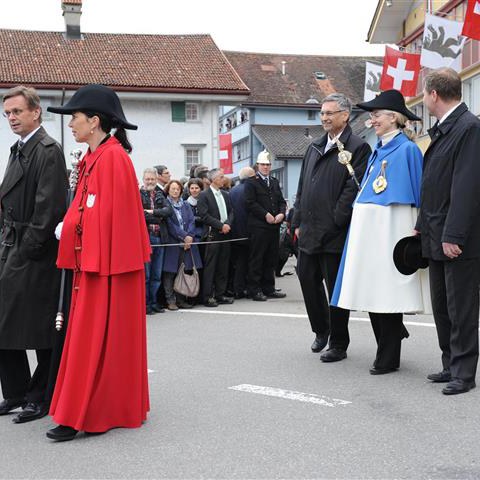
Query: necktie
{"x": 20, "y": 145}
{"x": 266, "y": 180}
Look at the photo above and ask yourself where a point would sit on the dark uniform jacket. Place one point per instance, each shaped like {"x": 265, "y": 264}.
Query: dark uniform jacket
{"x": 237, "y": 196}
{"x": 261, "y": 199}
{"x": 323, "y": 205}
{"x": 161, "y": 211}
{"x": 450, "y": 196}
{"x": 209, "y": 213}
{"x": 33, "y": 201}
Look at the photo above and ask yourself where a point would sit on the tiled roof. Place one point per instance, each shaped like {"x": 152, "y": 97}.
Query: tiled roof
{"x": 124, "y": 61}
{"x": 287, "y": 141}
{"x": 262, "y": 72}
{"x": 72, "y": 2}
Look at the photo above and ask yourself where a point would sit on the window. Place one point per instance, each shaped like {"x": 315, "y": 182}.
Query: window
{"x": 192, "y": 157}
{"x": 312, "y": 115}
{"x": 240, "y": 151}
{"x": 185, "y": 112}
{"x": 191, "y": 112}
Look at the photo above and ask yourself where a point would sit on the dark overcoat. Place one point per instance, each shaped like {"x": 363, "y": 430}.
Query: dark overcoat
{"x": 177, "y": 233}
{"x": 261, "y": 199}
{"x": 33, "y": 201}
{"x": 161, "y": 211}
{"x": 450, "y": 196}
{"x": 325, "y": 194}
{"x": 237, "y": 197}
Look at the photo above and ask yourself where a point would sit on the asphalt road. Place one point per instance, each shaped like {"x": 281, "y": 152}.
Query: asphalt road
{"x": 325, "y": 420}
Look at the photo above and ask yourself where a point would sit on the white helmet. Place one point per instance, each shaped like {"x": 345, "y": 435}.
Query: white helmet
{"x": 264, "y": 157}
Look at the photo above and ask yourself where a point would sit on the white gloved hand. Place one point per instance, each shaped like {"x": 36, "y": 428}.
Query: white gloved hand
{"x": 58, "y": 230}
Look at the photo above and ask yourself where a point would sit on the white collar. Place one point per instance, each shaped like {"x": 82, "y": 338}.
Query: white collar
{"x": 389, "y": 136}
{"x": 448, "y": 113}
{"x": 30, "y": 135}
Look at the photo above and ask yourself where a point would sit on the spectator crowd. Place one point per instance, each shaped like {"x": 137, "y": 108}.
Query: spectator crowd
{"x": 227, "y": 237}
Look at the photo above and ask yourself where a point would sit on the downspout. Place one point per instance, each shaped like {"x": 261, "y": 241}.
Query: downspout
{"x": 62, "y": 132}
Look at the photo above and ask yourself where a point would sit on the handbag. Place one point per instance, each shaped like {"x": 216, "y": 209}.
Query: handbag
{"x": 187, "y": 284}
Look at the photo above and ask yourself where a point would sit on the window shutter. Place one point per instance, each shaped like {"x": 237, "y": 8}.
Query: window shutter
{"x": 178, "y": 111}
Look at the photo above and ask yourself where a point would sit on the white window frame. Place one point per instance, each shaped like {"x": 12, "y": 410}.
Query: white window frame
{"x": 192, "y": 112}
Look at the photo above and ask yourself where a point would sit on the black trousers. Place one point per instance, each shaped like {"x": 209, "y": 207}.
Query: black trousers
{"x": 455, "y": 301}
{"x": 215, "y": 268}
{"x": 262, "y": 260}
{"x": 389, "y": 331}
{"x": 240, "y": 252}
{"x": 312, "y": 270}
{"x": 17, "y": 382}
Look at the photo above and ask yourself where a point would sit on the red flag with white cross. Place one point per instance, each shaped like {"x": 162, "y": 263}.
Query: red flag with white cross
{"x": 225, "y": 152}
{"x": 471, "y": 26}
{"x": 400, "y": 72}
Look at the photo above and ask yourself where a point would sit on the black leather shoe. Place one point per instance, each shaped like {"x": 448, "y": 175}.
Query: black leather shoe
{"x": 319, "y": 343}
{"x": 441, "y": 377}
{"x": 157, "y": 308}
{"x": 239, "y": 295}
{"x": 211, "y": 302}
{"x": 276, "y": 295}
{"x": 11, "y": 404}
{"x": 224, "y": 300}
{"x": 184, "y": 305}
{"x": 382, "y": 371}
{"x": 32, "y": 411}
{"x": 150, "y": 311}
{"x": 457, "y": 385}
{"x": 333, "y": 355}
{"x": 259, "y": 297}
{"x": 62, "y": 434}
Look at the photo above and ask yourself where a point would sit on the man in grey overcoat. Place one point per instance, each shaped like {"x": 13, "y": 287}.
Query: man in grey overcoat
{"x": 33, "y": 202}
{"x": 449, "y": 224}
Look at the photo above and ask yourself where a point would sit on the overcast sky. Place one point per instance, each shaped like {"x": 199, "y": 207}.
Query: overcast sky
{"x": 317, "y": 27}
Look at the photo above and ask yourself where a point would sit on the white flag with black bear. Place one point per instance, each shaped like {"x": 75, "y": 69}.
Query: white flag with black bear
{"x": 373, "y": 73}
{"x": 442, "y": 43}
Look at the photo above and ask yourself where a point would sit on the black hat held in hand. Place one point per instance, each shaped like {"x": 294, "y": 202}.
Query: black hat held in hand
{"x": 407, "y": 255}
{"x": 389, "y": 100}
{"x": 96, "y": 98}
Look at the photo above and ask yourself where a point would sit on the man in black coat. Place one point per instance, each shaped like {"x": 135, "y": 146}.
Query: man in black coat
{"x": 33, "y": 201}
{"x": 240, "y": 250}
{"x": 323, "y": 210}
{"x": 266, "y": 211}
{"x": 449, "y": 224}
{"x": 215, "y": 210}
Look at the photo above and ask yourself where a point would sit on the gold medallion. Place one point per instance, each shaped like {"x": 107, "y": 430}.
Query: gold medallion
{"x": 379, "y": 184}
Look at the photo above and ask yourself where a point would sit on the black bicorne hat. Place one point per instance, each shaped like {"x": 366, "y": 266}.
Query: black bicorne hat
{"x": 407, "y": 255}
{"x": 97, "y": 99}
{"x": 389, "y": 100}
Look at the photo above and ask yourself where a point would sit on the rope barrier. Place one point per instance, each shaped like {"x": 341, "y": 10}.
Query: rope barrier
{"x": 200, "y": 243}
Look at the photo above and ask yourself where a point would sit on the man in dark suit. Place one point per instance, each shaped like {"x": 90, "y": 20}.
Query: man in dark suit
{"x": 266, "y": 211}
{"x": 240, "y": 249}
{"x": 323, "y": 209}
{"x": 33, "y": 201}
{"x": 215, "y": 210}
{"x": 449, "y": 224}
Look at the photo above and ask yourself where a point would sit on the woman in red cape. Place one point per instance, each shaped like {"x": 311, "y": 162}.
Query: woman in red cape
{"x": 102, "y": 381}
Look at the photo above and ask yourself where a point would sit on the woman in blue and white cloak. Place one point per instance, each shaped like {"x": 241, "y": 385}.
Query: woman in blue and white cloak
{"x": 384, "y": 212}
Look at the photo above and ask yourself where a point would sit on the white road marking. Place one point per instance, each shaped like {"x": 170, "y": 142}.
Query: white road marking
{"x": 291, "y": 395}
{"x": 286, "y": 315}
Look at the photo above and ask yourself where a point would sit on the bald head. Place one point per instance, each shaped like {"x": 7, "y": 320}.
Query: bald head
{"x": 246, "y": 172}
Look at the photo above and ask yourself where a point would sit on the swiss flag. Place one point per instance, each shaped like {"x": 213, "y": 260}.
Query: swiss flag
{"x": 225, "y": 152}
{"x": 400, "y": 72}
{"x": 471, "y": 26}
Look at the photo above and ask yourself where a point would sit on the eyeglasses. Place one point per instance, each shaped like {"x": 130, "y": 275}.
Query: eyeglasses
{"x": 330, "y": 114}
{"x": 374, "y": 115}
{"x": 14, "y": 113}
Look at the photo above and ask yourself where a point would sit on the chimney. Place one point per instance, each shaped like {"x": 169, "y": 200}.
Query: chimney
{"x": 72, "y": 11}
